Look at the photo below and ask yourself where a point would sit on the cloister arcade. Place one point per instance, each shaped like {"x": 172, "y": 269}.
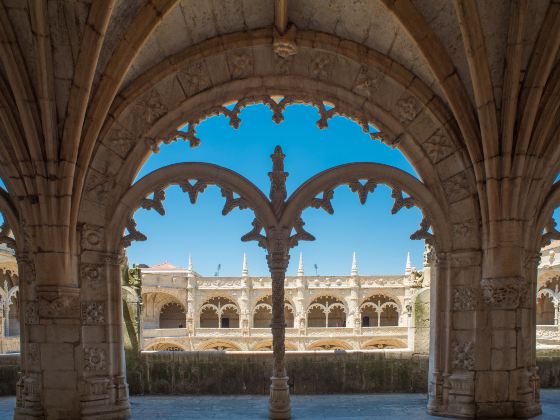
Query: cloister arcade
{"x": 469, "y": 91}
{"x": 219, "y": 312}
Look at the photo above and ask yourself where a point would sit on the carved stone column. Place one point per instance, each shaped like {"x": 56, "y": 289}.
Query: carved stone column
{"x": 7, "y": 319}
{"x": 278, "y": 259}
{"x": 28, "y": 388}
{"x": 354, "y": 318}
{"x": 191, "y": 302}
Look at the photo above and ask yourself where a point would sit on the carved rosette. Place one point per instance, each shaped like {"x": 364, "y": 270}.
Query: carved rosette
{"x": 92, "y": 237}
{"x": 95, "y": 359}
{"x": 93, "y": 313}
{"x": 504, "y": 293}
{"x": 464, "y": 299}
{"x": 463, "y": 356}
{"x": 407, "y": 109}
{"x": 91, "y": 275}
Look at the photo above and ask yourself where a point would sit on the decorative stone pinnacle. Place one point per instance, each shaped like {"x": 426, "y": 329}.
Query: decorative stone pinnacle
{"x": 354, "y": 265}
{"x": 245, "y": 271}
{"x": 190, "y": 267}
{"x": 408, "y": 268}
{"x": 300, "y": 271}
{"x": 278, "y": 177}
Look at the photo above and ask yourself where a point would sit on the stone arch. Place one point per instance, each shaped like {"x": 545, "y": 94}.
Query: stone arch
{"x": 219, "y": 344}
{"x": 380, "y": 310}
{"x": 153, "y": 302}
{"x": 326, "y": 311}
{"x": 407, "y": 112}
{"x": 385, "y": 343}
{"x": 266, "y": 345}
{"x": 329, "y": 345}
{"x": 172, "y": 315}
{"x": 10, "y": 229}
{"x": 262, "y": 312}
{"x": 12, "y": 302}
{"x": 219, "y": 312}
{"x": 423, "y": 136}
{"x": 165, "y": 346}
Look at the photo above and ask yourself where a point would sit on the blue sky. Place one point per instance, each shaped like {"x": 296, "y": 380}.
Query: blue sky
{"x": 381, "y": 241}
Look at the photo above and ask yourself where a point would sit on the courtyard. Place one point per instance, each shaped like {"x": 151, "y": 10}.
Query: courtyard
{"x": 236, "y": 407}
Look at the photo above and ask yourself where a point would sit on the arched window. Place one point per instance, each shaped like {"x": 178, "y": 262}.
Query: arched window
{"x": 326, "y": 311}
{"x": 219, "y": 312}
{"x": 262, "y": 314}
{"x": 548, "y": 298}
{"x": 379, "y": 311}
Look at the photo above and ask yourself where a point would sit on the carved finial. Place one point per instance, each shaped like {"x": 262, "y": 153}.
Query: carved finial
{"x": 408, "y": 268}
{"x": 277, "y": 180}
{"x": 354, "y": 265}
{"x": 245, "y": 270}
{"x": 300, "y": 271}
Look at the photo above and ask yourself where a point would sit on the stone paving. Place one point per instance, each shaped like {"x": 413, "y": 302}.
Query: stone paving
{"x": 309, "y": 407}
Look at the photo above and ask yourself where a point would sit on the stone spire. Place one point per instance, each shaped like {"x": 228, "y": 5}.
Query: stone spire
{"x": 245, "y": 270}
{"x": 190, "y": 272}
{"x": 408, "y": 268}
{"x": 300, "y": 271}
{"x": 354, "y": 265}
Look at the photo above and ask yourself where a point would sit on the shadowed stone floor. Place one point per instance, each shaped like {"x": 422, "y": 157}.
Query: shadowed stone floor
{"x": 321, "y": 407}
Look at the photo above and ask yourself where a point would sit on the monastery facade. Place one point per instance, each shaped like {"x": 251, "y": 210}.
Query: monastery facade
{"x": 177, "y": 309}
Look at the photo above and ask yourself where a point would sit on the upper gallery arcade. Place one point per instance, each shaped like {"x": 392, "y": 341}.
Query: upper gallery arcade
{"x": 468, "y": 90}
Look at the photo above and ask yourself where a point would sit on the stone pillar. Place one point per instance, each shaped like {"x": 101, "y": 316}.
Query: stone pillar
{"x": 453, "y": 317}
{"x": 7, "y": 319}
{"x": 482, "y": 358}
{"x": 2, "y": 320}
{"x": 245, "y": 319}
{"x": 29, "y": 391}
{"x": 278, "y": 258}
{"x": 191, "y": 316}
{"x": 354, "y": 319}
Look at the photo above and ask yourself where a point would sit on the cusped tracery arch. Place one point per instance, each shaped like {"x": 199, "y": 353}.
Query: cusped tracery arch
{"x": 165, "y": 346}
{"x": 220, "y": 345}
{"x": 267, "y": 346}
{"x": 329, "y": 345}
{"x": 172, "y": 315}
{"x": 420, "y": 129}
{"x": 386, "y": 343}
{"x": 153, "y": 304}
{"x": 326, "y": 311}
{"x": 262, "y": 313}
{"x": 219, "y": 312}
{"x": 379, "y": 311}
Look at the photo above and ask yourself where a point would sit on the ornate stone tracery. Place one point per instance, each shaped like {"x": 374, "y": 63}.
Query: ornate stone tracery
{"x": 277, "y": 104}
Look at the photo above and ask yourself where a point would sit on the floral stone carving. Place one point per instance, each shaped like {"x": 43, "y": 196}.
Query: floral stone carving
{"x": 95, "y": 359}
